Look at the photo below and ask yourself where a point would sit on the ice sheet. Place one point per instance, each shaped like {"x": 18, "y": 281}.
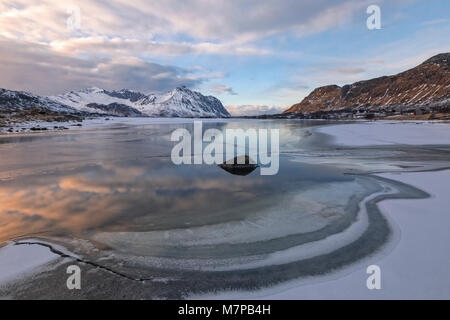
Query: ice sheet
{"x": 389, "y": 132}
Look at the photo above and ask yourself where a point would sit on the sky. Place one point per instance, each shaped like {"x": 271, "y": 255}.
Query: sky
{"x": 256, "y": 56}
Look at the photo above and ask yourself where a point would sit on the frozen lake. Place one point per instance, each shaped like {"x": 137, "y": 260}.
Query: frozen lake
{"x": 111, "y": 195}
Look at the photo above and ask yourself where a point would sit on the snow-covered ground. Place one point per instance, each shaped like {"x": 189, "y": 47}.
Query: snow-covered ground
{"x": 92, "y": 123}
{"x": 17, "y": 261}
{"x": 390, "y": 132}
{"x": 418, "y": 267}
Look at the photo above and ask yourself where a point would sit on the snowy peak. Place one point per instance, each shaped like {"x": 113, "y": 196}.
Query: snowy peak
{"x": 92, "y": 90}
{"x": 180, "y": 102}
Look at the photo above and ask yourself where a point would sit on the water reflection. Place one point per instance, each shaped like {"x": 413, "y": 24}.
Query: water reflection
{"x": 122, "y": 179}
{"x": 136, "y": 195}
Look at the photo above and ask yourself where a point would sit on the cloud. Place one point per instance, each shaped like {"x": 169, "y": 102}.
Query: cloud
{"x": 254, "y": 110}
{"x": 436, "y": 21}
{"x": 347, "y": 70}
{"x": 123, "y": 27}
{"x": 38, "y": 69}
{"x": 233, "y": 21}
{"x": 219, "y": 89}
{"x": 137, "y": 44}
{"x": 105, "y": 45}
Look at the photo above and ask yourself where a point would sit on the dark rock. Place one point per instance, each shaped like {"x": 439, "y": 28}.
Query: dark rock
{"x": 241, "y": 166}
{"x": 117, "y": 109}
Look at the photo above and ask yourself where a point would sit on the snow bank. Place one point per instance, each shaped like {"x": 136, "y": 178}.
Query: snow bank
{"x": 418, "y": 265}
{"x": 19, "y": 260}
{"x": 389, "y": 132}
{"x": 99, "y": 122}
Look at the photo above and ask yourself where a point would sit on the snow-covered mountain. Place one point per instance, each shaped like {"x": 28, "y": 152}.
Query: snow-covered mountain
{"x": 180, "y": 102}
{"x": 16, "y": 101}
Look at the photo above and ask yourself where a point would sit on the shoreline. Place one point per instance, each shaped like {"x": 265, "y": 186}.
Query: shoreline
{"x": 100, "y": 122}
{"x": 371, "y": 205}
{"x": 401, "y": 279}
{"x": 367, "y": 210}
{"x": 38, "y": 126}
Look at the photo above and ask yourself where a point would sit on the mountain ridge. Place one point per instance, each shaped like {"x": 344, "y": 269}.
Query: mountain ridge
{"x": 179, "y": 102}
{"x": 426, "y": 85}
{"x": 14, "y": 101}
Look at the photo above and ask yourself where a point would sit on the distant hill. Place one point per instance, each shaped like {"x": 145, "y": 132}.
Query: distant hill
{"x": 427, "y": 85}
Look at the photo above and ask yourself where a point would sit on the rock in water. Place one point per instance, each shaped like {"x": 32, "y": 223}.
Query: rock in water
{"x": 240, "y": 166}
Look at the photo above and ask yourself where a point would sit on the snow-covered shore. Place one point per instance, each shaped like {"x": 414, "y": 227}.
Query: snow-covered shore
{"x": 416, "y": 267}
{"x": 389, "y": 132}
{"x": 416, "y": 264}
{"x": 94, "y": 123}
{"x": 18, "y": 261}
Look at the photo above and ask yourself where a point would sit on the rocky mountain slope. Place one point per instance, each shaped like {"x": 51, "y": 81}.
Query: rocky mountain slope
{"x": 17, "y": 101}
{"x": 427, "y": 86}
{"x": 180, "y": 102}
{"x": 20, "y": 107}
